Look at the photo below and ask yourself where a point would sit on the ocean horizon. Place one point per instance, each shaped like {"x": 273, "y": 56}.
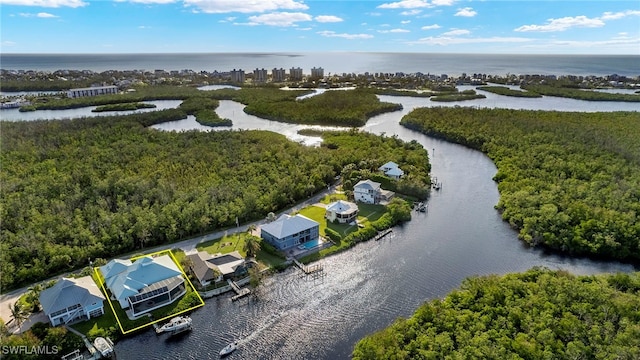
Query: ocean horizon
{"x": 452, "y": 64}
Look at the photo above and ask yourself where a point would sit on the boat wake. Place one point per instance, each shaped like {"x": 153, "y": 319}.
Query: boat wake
{"x": 266, "y": 324}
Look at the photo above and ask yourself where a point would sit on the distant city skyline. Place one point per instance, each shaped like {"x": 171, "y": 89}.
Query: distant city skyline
{"x": 432, "y": 26}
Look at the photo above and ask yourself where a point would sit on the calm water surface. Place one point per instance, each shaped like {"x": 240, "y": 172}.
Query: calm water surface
{"x": 368, "y": 287}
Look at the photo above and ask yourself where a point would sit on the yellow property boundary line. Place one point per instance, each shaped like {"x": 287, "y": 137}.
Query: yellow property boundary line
{"x": 158, "y": 253}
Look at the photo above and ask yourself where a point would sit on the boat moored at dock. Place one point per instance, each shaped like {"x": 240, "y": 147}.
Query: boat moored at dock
{"x": 176, "y": 325}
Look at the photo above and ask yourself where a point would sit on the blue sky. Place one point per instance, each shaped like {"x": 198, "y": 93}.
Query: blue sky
{"x": 438, "y": 26}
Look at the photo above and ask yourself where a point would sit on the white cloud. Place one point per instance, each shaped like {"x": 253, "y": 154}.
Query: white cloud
{"x": 375, "y": 14}
{"x": 327, "y": 18}
{"x": 456, "y": 32}
{"x": 227, "y": 6}
{"x": 431, "y": 27}
{"x": 443, "y": 2}
{"x": 393, "y": 31}
{"x": 619, "y": 15}
{"x": 304, "y": 29}
{"x": 43, "y": 15}
{"x": 405, "y": 22}
{"x": 46, "y": 3}
{"x": 327, "y": 33}
{"x": 446, "y": 40}
{"x": 8, "y": 43}
{"x": 563, "y": 24}
{"x": 144, "y": 27}
{"x": 411, "y": 12}
{"x": 405, "y": 4}
{"x": 149, "y": 1}
{"x": 279, "y": 19}
{"x": 466, "y": 12}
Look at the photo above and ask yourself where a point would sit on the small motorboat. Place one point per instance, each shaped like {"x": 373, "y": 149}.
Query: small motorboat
{"x": 229, "y": 349}
{"x": 104, "y": 346}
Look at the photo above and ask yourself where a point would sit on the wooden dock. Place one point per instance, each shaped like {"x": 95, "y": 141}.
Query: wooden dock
{"x": 309, "y": 269}
{"x": 240, "y": 292}
{"x": 382, "y": 234}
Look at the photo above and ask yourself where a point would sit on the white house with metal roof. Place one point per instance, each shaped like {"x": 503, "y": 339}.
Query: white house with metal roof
{"x": 145, "y": 284}
{"x": 72, "y": 299}
{"x": 367, "y": 191}
{"x": 289, "y": 231}
{"x": 392, "y": 170}
{"x": 341, "y": 211}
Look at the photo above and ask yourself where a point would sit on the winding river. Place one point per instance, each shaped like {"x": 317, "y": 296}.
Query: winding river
{"x": 366, "y": 288}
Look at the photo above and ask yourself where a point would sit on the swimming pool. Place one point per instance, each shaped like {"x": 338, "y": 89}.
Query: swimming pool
{"x": 309, "y": 244}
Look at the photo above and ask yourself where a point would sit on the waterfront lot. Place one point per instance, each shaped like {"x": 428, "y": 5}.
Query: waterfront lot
{"x": 115, "y": 318}
{"x": 367, "y": 214}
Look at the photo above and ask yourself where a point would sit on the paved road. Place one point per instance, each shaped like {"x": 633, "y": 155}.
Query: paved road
{"x": 6, "y": 300}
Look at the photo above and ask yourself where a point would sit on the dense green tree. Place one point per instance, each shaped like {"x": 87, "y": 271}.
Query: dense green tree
{"x": 539, "y": 314}
{"x": 568, "y": 181}
{"x": 75, "y": 190}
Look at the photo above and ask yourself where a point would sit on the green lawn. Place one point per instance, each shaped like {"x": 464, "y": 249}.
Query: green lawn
{"x": 230, "y": 243}
{"x": 367, "y": 213}
{"x": 328, "y": 199}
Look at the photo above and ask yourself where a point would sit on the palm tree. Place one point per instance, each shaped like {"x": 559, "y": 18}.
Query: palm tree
{"x": 251, "y": 228}
{"x": 18, "y": 313}
{"x": 251, "y": 247}
{"x": 33, "y": 296}
{"x": 271, "y": 217}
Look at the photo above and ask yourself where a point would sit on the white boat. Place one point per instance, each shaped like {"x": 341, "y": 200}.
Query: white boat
{"x": 176, "y": 325}
{"x": 229, "y": 349}
{"x": 104, "y": 346}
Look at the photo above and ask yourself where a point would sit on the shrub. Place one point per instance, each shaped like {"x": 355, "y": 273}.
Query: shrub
{"x": 332, "y": 234}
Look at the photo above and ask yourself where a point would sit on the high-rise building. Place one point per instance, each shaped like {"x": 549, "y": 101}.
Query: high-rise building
{"x": 317, "y": 73}
{"x": 278, "y": 75}
{"x": 237, "y": 76}
{"x": 295, "y": 74}
{"x": 260, "y": 75}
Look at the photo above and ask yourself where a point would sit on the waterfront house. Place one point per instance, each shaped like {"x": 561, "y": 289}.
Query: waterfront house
{"x": 341, "y": 211}
{"x": 370, "y": 192}
{"x": 72, "y": 299}
{"x": 289, "y": 231}
{"x": 392, "y": 170}
{"x": 367, "y": 191}
{"x": 208, "y": 268}
{"x": 144, "y": 285}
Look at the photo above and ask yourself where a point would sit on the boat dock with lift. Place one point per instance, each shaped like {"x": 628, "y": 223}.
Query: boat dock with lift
{"x": 240, "y": 292}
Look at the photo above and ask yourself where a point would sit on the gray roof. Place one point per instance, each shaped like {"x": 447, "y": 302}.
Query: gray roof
{"x": 68, "y": 292}
{"x": 342, "y": 207}
{"x": 367, "y": 184}
{"x": 287, "y": 225}
{"x": 394, "y": 172}
{"x": 139, "y": 275}
{"x": 389, "y": 165}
